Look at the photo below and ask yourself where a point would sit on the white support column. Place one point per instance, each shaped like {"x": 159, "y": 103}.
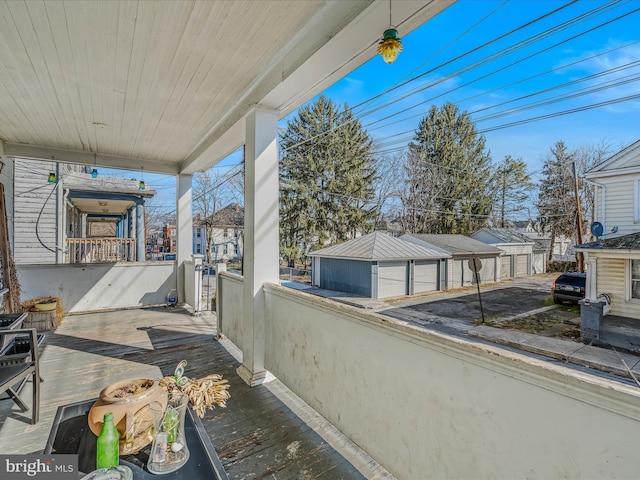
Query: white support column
{"x": 592, "y": 271}
{"x": 184, "y": 229}
{"x": 261, "y": 246}
{"x": 140, "y": 234}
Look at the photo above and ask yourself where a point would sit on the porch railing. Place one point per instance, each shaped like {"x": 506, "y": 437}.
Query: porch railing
{"x": 100, "y": 250}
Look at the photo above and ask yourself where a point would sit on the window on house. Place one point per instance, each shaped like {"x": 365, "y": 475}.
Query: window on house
{"x": 224, "y": 250}
{"x": 198, "y": 248}
{"x": 198, "y": 232}
{"x": 635, "y": 279}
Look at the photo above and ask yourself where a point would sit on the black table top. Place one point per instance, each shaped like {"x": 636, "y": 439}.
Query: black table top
{"x": 70, "y": 434}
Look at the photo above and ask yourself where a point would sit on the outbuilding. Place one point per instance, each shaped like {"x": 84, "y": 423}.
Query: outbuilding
{"x": 461, "y": 251}
{"x": 378, "y": 265}
{"x": 518, "y": 258}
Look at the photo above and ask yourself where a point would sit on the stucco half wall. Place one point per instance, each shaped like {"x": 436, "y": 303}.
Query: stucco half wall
{"x": 90, "y": 287}
{"x": 426, "y": 405}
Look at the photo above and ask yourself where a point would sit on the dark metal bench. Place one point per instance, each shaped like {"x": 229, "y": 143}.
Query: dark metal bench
{"x": 19, "y": 361}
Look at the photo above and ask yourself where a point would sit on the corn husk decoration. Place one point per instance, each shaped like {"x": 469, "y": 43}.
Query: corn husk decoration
{"x": 204, "y": 393}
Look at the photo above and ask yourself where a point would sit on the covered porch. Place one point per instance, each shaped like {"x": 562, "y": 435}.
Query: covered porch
{"x": 422, "y": 404}
{"x": 264, "y": 431}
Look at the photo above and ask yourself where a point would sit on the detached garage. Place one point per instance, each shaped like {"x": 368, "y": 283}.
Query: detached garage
{"x": 518, "y": 260}
{"x": 460, "y": 250}
{"x": 378, "y": 266}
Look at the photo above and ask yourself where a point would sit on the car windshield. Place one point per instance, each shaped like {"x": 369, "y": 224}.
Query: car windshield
{"x": 571, "y": 280}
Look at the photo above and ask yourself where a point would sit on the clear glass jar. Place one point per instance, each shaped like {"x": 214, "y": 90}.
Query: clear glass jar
{"x": 169, "y": 450}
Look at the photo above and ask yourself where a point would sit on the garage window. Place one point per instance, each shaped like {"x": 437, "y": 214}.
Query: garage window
{"x": 635, "y": 279}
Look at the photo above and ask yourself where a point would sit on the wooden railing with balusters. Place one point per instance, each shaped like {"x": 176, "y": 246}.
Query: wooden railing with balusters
{"x": 101, "y": 250}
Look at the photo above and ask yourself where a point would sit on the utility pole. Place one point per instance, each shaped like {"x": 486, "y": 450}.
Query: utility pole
{"x": 579, "y": 218}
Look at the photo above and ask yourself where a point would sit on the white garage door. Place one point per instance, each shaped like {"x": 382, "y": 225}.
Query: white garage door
{"x": 392, "y": 279}
{"x": 538, "y": 263}
{"x": 522, "y": 265}
{"x": 425, "y": 276}
{"x": 505, "y": 267}
{"x": 488, "y": 270}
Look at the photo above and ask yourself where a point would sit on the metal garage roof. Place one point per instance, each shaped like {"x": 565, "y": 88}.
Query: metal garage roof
{"x": 378, "y": 246}
{"x": 455, "y": 245}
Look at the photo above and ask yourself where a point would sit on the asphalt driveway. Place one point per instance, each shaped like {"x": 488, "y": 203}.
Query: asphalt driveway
{"x": 498, "y": 303}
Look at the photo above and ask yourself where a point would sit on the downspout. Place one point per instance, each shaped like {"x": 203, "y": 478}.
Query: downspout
{"x": 62, "y": 232}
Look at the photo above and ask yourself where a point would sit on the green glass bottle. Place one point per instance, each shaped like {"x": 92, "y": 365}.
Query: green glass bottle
{"x": 108, "y": 447}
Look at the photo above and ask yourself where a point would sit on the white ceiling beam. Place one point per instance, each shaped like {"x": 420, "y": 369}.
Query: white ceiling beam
{"x": 87, "y": 158}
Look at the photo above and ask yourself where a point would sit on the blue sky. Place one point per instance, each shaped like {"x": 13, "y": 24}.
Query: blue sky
{"x": 429, "y": 53}
{"x": 582, "y": 39}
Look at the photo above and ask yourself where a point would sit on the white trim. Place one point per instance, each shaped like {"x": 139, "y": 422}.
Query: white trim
{"x": 636, "y": 201}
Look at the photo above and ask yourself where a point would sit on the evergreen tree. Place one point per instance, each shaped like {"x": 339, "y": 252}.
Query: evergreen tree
{"x": 557, "y": 202}
{"x": 512, "y": 186}
{"x": 327, "y": 173}
{"x": 448, "y": 175}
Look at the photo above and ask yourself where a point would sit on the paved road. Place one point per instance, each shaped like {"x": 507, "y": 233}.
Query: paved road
{"x": 500, "y": 303}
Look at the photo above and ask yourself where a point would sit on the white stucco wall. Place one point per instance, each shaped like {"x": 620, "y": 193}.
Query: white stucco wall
{"x": 88, "y": 287}
{"x": 230, "y": 311}
{"x": 426, "y": 405}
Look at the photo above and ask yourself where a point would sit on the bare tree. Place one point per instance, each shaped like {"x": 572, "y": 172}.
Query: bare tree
{"x": 211, "y": 191}
{"x": 587, "y": 157}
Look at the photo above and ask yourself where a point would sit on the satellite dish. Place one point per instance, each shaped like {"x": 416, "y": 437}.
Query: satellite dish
{"x": 597, "y": 229}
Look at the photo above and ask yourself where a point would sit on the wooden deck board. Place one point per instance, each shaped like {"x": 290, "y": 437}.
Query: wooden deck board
{"x": 257, "y": 436}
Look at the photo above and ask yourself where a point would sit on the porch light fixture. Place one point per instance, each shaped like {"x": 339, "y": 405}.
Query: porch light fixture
{"x": 390, "y": 45}
{"x": 52, "y": 175}
{"x": 94, "y": 170}
{"x": 141, "y": 185}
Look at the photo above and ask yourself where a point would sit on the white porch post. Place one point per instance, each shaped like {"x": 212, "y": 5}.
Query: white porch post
{"x": 592, "y": 271}
{"x": 184, "y": 230}
{"x": 261, "y": 246}
{"x": 140, "y": 234}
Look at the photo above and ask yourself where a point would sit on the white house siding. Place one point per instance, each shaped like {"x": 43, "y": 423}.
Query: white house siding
{"x": 35, "y": 214}
{"x": 619, "y": 207}
{"x": 597, "y": 205}
{"x": 611, "y": 278}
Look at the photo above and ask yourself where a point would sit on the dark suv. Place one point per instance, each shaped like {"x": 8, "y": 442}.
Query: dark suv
{"x": 569, "y": 287}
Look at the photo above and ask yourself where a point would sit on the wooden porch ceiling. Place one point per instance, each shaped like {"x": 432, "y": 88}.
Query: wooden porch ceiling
{"x": 254, "y": 436}
{"x": 165, "y": 86}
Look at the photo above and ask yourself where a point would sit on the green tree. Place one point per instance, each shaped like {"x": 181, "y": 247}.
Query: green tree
{"x": 557, "y": 207}
{"x": 512, "y": 187}
{"x": 327, "y": 173}
{"x": 448, "y": 175}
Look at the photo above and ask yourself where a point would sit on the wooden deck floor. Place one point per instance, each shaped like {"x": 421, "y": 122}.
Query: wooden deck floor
{"x": 265, "y": 431}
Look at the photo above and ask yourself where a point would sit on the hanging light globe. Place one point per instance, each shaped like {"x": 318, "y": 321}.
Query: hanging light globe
{"x": 390, "y": 46}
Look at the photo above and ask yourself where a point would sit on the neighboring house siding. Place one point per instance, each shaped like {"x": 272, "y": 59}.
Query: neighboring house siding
{"x": 611, "y": 279}
{"x": 619, "y": 207}
{"x": 597, "y": 209}
{"x": 35, "y": 207}
{"x": 346, "y": 276}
